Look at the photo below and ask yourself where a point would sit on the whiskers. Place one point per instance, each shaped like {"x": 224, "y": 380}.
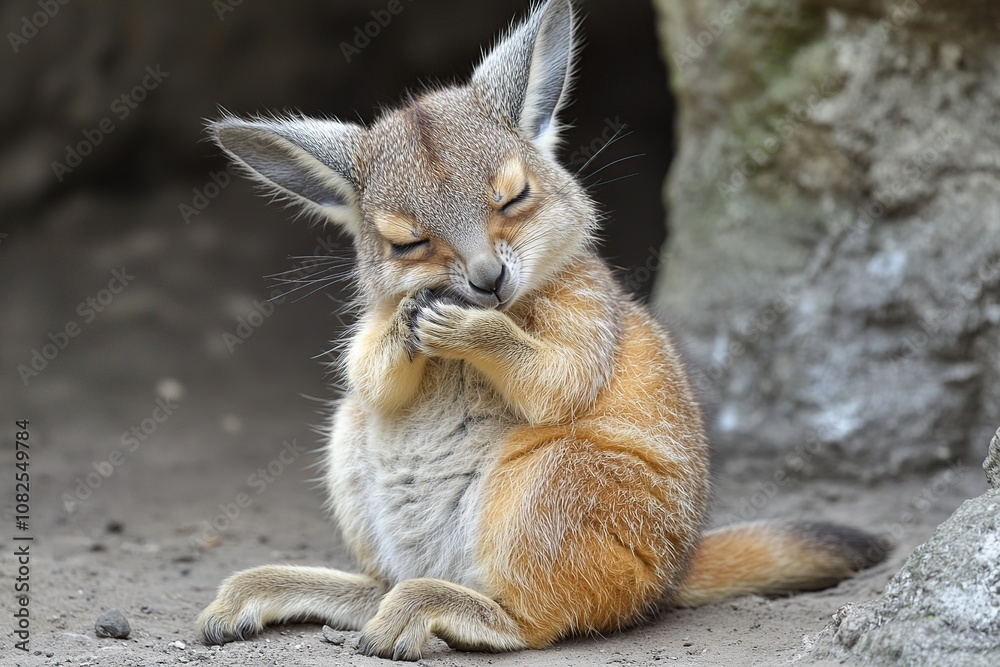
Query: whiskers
{"x": 314, "y": 273}
{"x": 583, "y": 178}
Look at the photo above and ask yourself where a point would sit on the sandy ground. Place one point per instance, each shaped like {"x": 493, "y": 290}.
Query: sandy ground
{"x": 134, "y": 541}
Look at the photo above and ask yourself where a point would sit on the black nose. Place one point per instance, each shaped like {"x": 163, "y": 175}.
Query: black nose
{"x": 488, "y": 284}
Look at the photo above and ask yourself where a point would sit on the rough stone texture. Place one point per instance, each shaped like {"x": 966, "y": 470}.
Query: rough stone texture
{"x": 834, "y": 258}
{"x": 992, "y": 463}
{"x": 943, "y": 608}
{"x": 112, "y": 623}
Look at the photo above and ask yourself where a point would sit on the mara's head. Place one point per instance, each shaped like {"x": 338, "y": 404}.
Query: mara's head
{"x": 459, "y": 190}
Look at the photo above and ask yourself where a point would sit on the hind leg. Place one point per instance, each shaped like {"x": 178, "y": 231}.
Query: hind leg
{"x": 251, "y": 599}
{"x": 575, "y": 539}
{"x": 579, "y": 537}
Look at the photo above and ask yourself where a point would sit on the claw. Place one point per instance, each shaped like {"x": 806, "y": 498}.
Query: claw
{"x": 429, "y": 298}
{"x": 398, "y": 650}
{"x": 409, "y": 309}
{"x": 216, "y": 628}
{"x": 430, "y": 316}
{"x": 366, "y": 646}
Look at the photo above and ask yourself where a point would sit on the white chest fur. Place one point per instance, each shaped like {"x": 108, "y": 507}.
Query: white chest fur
{"x": 408, "y": 490}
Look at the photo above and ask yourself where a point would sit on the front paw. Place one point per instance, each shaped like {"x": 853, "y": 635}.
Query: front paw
{"x": 410, "y": 310}
{"x": 233, "y": 614}
{"x": 439, "y": 323}
{"x": 396, "y": 634}
{"x": 444, "y": 329}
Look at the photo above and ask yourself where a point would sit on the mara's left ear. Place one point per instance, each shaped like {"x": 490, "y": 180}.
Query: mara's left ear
{"x": 527, "y": 75}
{"x": 308, "y": 161}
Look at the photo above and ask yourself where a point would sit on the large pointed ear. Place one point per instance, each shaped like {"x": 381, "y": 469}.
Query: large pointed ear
{"x": 527, "y": 75}
{"x": 308, "y": 161}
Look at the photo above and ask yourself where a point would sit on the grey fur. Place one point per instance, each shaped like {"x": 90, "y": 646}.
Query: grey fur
{"x": 309, "y": 160}
{"x": 527, "y": 75}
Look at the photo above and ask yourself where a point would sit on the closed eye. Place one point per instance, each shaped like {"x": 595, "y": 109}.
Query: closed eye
{"x": 402, "y": 249}
{"x": 525, "y": 193}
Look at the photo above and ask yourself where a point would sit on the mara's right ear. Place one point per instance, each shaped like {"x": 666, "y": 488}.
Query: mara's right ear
{"x": 526, "y": 76}
{"x": 308, "y": 161}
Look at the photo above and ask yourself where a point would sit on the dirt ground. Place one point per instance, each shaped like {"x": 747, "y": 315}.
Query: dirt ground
{"x": 152, "y": 530}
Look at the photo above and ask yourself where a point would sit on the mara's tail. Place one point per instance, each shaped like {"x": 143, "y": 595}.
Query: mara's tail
{"x": 775, "y": 558}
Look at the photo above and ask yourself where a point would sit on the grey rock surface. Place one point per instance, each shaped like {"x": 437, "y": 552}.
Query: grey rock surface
{"x": 942, "y": 608}
{"x": 834, "y": 252}
{"x": 992, "y": 463}
{"x": 112, "y": 623}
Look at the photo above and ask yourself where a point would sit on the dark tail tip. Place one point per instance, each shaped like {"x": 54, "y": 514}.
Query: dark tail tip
{"x": 857, "y": 548}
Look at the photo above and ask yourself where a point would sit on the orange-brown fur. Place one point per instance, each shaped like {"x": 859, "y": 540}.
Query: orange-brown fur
{"x": 628, "y": 509}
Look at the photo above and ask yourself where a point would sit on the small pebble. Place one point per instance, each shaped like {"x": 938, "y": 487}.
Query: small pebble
{"x": 179, "y": 644}
{"x": 332, "y": 636}
{"x": 112, "y": 623}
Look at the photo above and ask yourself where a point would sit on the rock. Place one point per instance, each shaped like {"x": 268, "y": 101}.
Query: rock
{"x": 112, "y": 623}
{"x": 942, "y": 609}
{"x": 834, "y": 246}
{"x": 992, "y": 463}
{"x": 333, "y": 636}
